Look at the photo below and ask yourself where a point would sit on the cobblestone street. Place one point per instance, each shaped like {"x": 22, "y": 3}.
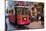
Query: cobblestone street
{"x": 33, "y": 25}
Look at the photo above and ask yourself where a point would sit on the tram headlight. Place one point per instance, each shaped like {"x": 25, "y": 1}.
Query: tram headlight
{"x": 24, "y": 18}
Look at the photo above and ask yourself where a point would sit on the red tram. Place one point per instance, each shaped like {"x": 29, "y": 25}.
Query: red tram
{"x": 22, "y": 15}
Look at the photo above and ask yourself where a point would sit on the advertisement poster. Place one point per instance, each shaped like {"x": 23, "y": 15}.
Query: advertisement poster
{"x": 24, "y": 15}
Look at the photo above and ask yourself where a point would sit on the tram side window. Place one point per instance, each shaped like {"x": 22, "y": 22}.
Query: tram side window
{"x": 11, "y": 11}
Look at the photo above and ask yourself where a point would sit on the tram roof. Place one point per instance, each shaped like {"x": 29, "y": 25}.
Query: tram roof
{"x": 23, "y": 6}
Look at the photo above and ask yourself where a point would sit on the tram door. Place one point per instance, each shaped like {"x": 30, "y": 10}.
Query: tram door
{"x": 22, "y": 14}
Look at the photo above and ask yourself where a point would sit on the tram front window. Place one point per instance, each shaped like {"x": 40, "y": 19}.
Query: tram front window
{"x": 25, "y": 11}
{"x": 22, "y": 11}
